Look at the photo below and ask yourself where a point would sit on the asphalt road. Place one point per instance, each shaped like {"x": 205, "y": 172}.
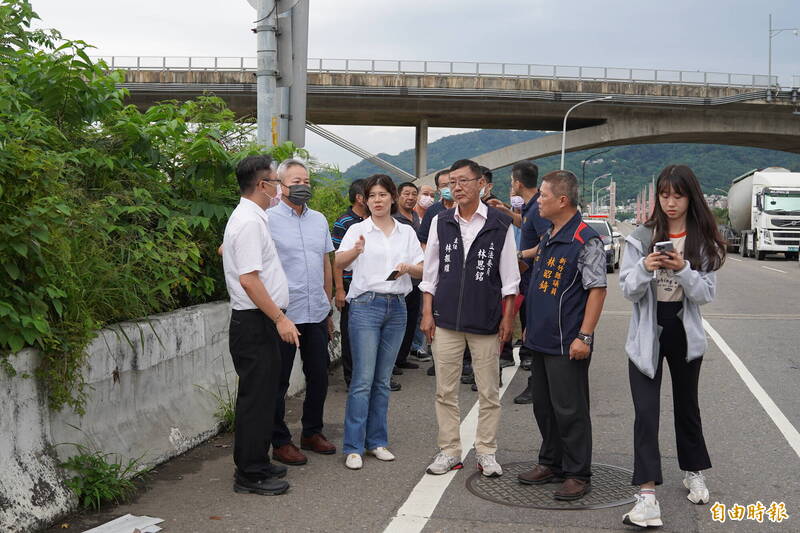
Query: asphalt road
{"x": 756, "y": 313}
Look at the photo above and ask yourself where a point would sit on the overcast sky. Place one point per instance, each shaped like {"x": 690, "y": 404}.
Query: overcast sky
{"x": 706, "y": 35}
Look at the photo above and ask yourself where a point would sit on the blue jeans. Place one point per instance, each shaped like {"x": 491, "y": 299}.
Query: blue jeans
{"x": 377, "y": 325}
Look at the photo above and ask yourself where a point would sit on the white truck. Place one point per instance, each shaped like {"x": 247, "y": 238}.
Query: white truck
{"x": 764, "y": 211}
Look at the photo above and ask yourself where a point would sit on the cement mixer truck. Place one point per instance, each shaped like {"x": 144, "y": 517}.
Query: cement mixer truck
{"x": 764, "y": 211}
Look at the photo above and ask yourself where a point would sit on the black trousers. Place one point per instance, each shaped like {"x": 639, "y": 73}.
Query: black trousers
{"x": 253, "y": 343}
{"x": 316, "y": 359}
{"x": 561, "y": 408}
{"x": 646, "y": 392}
{"x": 344, "y": 329}
{"x": 413, "y": 302}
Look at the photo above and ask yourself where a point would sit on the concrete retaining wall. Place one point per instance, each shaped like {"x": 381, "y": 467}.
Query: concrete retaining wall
{"x": 151, "y": 396}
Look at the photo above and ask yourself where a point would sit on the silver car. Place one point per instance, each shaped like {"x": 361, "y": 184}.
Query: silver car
{"x": 612, "y": 241}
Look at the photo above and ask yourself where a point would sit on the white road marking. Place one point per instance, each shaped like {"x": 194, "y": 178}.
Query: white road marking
{"x": 740, "y": 260}
{"x": 415, "y": 512}
{"x": 777, "y": 416}
{"x": 774, "y": 269}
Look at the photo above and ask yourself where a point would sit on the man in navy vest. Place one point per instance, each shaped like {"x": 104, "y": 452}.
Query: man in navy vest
{"x": 564, "y": 299}
{"x": 469, "y": 284}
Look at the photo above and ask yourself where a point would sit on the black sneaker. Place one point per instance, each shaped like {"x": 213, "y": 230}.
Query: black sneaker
{"x": 265, "y": 487}
{"x": 467, "y": 379}
{"x": 276, "y": 471}
{"x": 394, "y": 386}
{"x": 408, "y": 365}
{"x": 524, "y": 397}
{"x": 525, "y": 363}
{"x": 506, "y": 362}
{"x": 397, "y": 372}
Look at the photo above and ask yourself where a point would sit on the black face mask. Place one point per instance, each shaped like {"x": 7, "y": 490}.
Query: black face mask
{"x": 299, "y": 194}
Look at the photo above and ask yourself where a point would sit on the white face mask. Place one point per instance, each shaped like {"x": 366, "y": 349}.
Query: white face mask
{"x": 425, "y": 201}
{"x": 275, "y": 200}
{"x": 517, "y": 202}
{"x": 483, "y": 191}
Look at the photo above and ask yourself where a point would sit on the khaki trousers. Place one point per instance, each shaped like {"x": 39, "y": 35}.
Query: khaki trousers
{"x": 448, "y": 355}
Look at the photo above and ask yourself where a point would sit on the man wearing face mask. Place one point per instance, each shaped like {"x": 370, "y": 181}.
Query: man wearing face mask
{"x": 424, "y": 200}
{"x": 445, "y": 202}
{"x": 303, "y": 241}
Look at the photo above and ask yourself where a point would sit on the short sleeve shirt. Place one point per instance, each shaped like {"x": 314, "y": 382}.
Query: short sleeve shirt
{"x": 340, "y": 227}
{"x": 303, "y": 242}
{"x": 247, "y": 246}
{"x": 381, "y": 255}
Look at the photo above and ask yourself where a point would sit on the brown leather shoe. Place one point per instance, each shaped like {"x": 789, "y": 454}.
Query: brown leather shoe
{"x": 539, "y": 476}
{"x": 317, "y": 443}
{"x": 572, "y": 489}
{"x": 288, "y": 454}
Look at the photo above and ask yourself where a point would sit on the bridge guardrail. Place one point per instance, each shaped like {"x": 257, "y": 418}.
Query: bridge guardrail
{"x": 455, "y": 68}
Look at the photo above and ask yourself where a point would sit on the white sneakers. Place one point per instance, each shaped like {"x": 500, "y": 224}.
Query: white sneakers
{"x": 646, "y": 513}
{"x": 443, "y": 463}
{"x": 381, "y": 453}
{"x": 353, "y": 461}
{"x": 696, "y": 483}
{"x": 489, "y": 466}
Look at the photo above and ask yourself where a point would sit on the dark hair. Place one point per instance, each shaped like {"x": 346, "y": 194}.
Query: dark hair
{"x": 356, "y": 188}
{"x": 474, "y": 167}
{"x": 705, "y": 247}
{"x": 384, "y": 181}
{"x": 487, "y": 174}
{"x": 247, "y": 170}
{"x": 440, "y": 173}
{"x": 404, "y": 185}
{"x": 526, "y": 173}
{"x": 564, "y": 183}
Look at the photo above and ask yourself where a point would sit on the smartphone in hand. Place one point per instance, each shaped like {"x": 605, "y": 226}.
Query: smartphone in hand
{"x": 393, "y": 275}
{"x": 663, "y": 247}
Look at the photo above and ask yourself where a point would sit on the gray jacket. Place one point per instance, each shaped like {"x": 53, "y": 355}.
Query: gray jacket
{"x": 639, "y": 287}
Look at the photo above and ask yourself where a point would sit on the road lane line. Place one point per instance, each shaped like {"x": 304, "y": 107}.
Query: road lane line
{"x": 415, "y": 512}
{"x": 774, "y": 269}
{"x": 740, "y": 260}
{"x": 774, "y": 412}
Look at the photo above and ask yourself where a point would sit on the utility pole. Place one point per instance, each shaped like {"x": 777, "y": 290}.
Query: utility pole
{"x": 266, "y": 73}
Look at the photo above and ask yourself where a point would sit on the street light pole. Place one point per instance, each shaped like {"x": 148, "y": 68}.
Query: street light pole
{"x": 564, "y": 129}
{"x": 583, "y": 169}
{"x": 607, "y": 174}
{"x": 773, "y": 32}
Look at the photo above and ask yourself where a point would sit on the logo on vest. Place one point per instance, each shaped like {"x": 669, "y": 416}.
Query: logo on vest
{"x": 485, "y": 263}
{"x": 551, "y": 277}
{"x": 447, "y": 250}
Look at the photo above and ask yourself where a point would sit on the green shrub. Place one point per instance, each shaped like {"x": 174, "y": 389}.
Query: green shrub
{"x": 96, "y": 480}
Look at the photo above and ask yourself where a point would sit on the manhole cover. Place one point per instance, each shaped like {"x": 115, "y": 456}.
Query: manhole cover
{"x": 611, "y": 486}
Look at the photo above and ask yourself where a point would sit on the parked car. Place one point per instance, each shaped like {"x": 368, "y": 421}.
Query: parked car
{"x": 612, "y": 241}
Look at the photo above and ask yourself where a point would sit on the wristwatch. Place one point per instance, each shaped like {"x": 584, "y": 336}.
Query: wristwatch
{"x": 586, "y": 338}
{"x": 519, "y": 255}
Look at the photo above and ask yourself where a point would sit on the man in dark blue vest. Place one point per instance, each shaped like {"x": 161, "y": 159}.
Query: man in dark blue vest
{"x": 469, "y": 284}
{"x": 565, "y": 298}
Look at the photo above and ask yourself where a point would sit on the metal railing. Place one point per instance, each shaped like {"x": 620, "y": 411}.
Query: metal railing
{"x": 455, "y": 68}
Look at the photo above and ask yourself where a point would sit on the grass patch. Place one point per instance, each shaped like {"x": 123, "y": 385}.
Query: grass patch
{"x": 99, "y": 478}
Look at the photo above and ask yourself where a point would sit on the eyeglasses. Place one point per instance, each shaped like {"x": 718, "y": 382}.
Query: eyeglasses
{"x": 461, "y": 181}
{"x": 271, "y": 181}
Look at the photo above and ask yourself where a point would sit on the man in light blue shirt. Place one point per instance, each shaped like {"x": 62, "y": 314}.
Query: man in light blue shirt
{"x": 303, "y": 241}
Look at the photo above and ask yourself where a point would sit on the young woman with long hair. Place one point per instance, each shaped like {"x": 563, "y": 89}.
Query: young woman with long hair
{"x": 382, "y": 254}
{"x": 668, "y": 271}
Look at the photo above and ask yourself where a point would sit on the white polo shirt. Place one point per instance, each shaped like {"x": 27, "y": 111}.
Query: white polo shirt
{"x": 381, "y": 255}
{"x": 247, "y": 247}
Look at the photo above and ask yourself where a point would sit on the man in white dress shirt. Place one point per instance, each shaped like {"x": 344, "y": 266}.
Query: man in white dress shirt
{"x": 469, "y": 284}
{"x": 259, "y": 294}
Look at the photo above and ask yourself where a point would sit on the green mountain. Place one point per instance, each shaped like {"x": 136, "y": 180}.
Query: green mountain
{"x": 631, "y": 166}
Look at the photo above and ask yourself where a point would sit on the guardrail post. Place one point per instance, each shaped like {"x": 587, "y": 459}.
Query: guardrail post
{"x": 138, "y": 62}
{"x": 112, "y": 62}
{"x": 451, "y": 67}
{"x": 580, "y": 73}
{"x": 425, "y": 67}
{"x": 190, "y": 62}
{"x": 529, "y": 70}
{"x": 215, "y": 63}
{"x": 554, "y": 72}
{"x": 164, "y": 62}
{"x": 372, "y": 67}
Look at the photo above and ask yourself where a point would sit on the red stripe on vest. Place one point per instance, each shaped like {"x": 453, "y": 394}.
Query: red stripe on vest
{"x": 578, "y": 231}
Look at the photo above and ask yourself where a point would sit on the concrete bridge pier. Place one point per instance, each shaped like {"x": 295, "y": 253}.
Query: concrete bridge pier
{"x": 421, "y": 148}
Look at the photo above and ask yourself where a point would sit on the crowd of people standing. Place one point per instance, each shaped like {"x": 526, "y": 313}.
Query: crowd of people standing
{"x": 447, "y": 279}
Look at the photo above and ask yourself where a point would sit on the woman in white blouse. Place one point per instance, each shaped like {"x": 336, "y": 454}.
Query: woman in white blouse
{"x": 382, "y": 255}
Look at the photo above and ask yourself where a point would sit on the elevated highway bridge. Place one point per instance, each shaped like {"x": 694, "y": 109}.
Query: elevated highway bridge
{"x": 647, "y": 105}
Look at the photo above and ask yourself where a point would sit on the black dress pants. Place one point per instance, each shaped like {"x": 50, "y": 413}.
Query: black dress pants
{"x": 316, "y": 359}
{"x": 253, "y": 343}
{"x": 344, "y": 329}
{"x": 646, "y": 392}
{"x": 561, "y": 408}
{"x": 413, "y": 302}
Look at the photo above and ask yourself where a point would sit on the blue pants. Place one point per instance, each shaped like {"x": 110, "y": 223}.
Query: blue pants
{"x": 377, "y": 325}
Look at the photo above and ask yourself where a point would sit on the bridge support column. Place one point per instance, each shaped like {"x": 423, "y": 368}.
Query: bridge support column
{"x": 421, "y": 149}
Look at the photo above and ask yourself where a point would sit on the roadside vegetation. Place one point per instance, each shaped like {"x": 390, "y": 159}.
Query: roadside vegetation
{"x": 107, "y": 213}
